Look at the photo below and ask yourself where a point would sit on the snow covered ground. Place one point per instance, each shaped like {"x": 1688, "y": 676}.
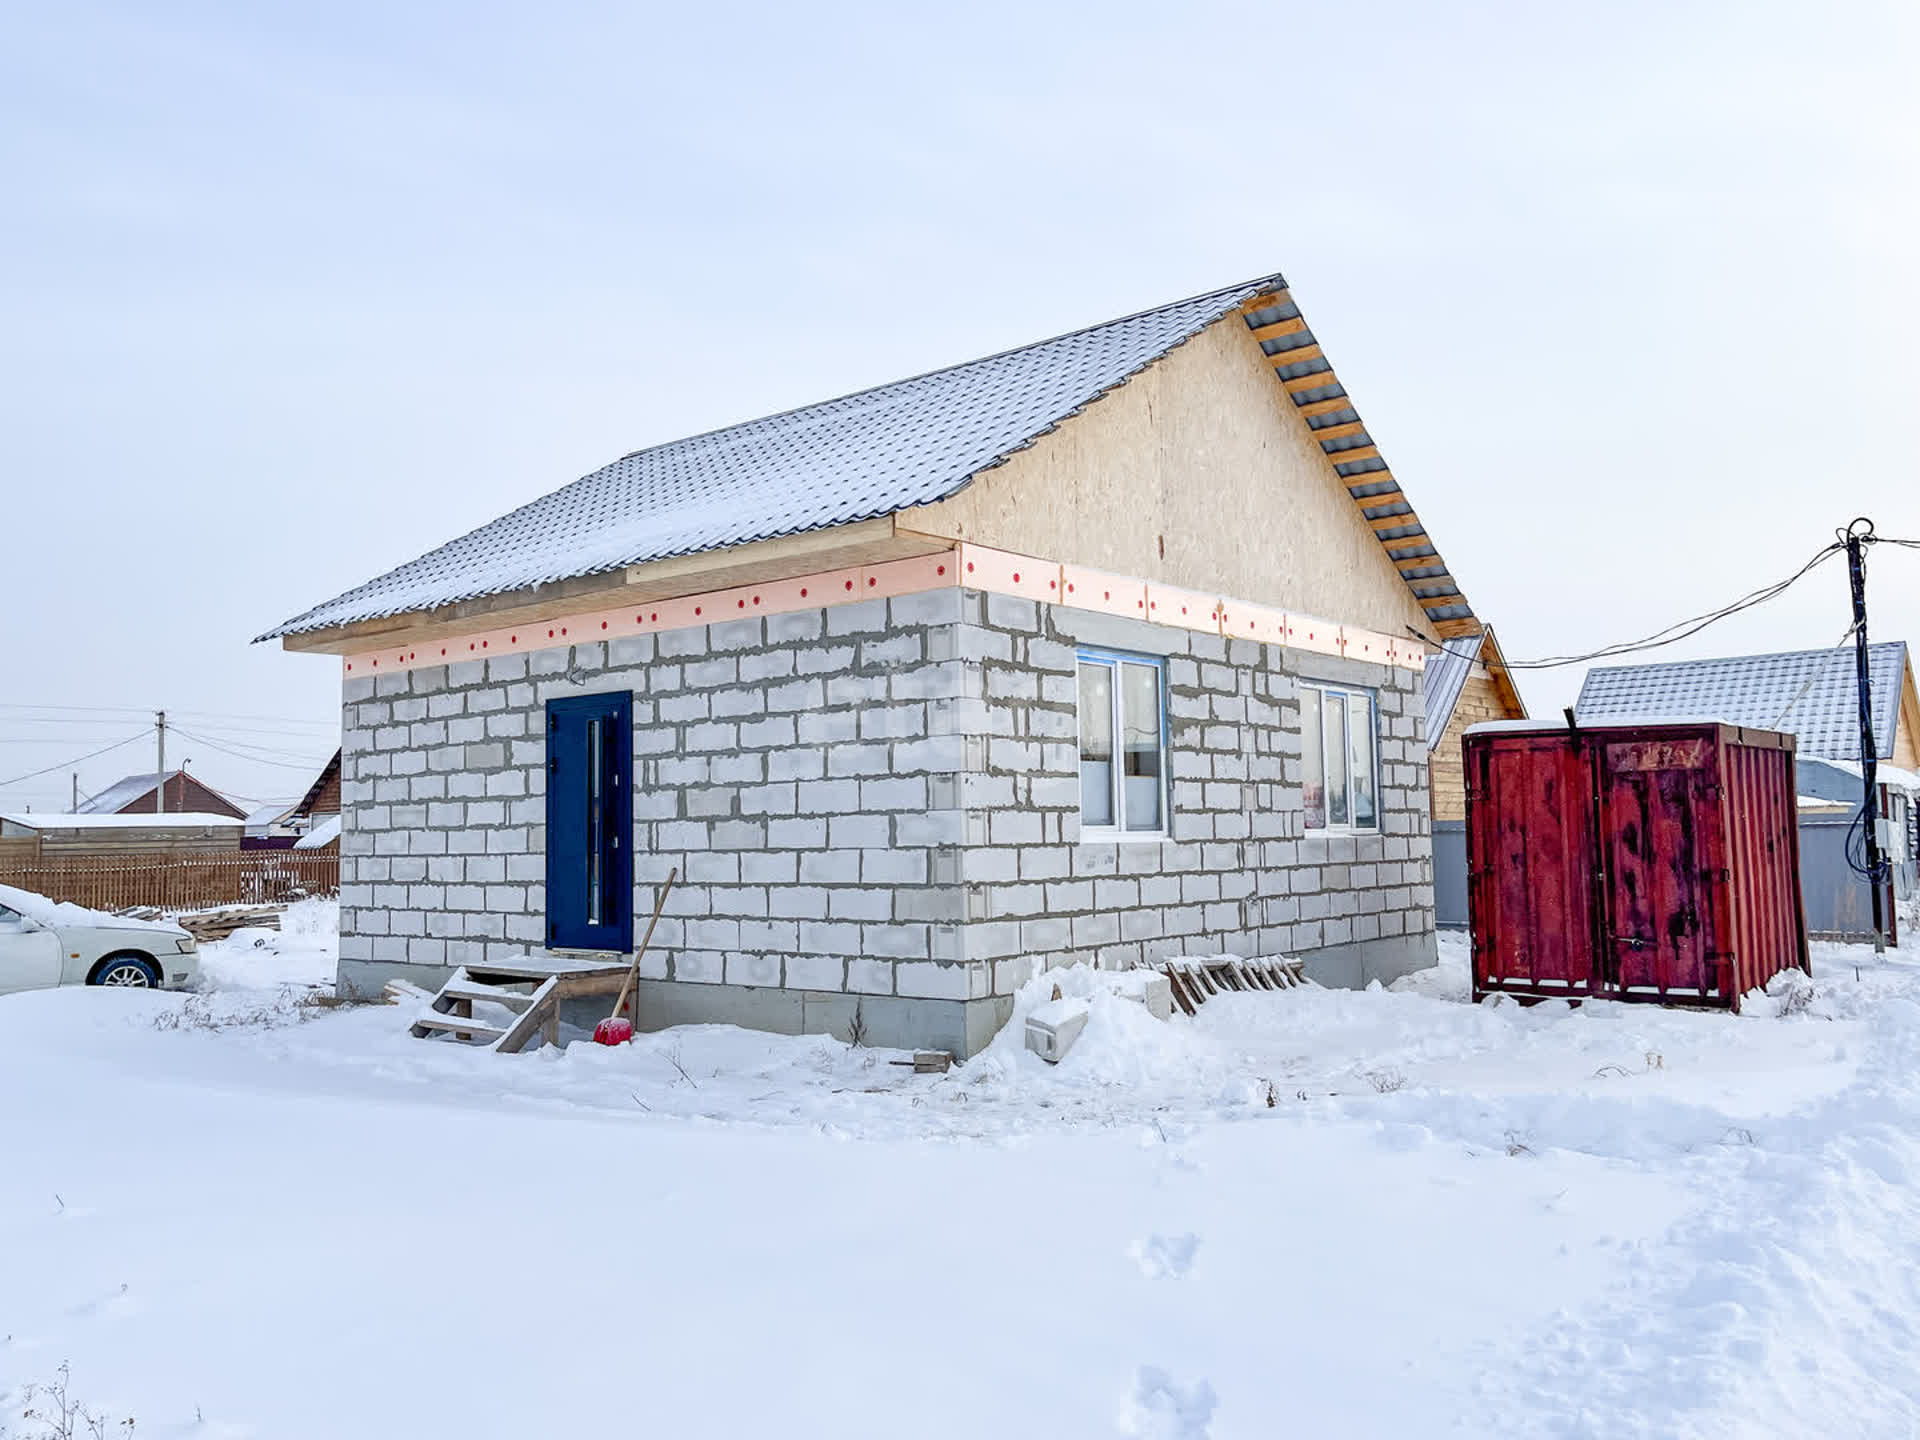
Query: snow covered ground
{"x": 1318, "y": 1213}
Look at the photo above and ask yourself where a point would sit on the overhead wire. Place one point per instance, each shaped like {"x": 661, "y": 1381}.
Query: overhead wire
{"x": 48, "y": 770}
{"x": 1683, "y": 629}
{"x": 257, "y": 759}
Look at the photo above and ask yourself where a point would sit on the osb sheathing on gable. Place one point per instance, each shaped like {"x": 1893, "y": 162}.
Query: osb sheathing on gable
{"x": 1196, "y": 473}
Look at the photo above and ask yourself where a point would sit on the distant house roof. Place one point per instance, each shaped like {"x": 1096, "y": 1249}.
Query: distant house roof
{"x": 132, "y": 789}
{"x": 321, "y": 791}
{"x": 1812, "y": 693}
{"x": 325, "y": 833}
{"x": 877, "y": 452}
{"x": 190, "y": 820}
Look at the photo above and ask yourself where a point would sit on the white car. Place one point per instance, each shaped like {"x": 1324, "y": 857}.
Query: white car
{"x": 44, "y": 944}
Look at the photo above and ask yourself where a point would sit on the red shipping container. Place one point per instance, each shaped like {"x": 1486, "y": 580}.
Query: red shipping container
{"x": 1632, "y": 862}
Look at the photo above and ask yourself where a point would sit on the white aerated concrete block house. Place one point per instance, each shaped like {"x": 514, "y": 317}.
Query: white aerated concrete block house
{"x": 1108, "y": 648}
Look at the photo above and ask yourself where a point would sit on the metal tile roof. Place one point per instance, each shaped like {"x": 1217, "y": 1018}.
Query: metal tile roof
{"x": 1447, "y": 672}
{"x": 855, "y": 458}
{"x": 121, "y": 793}
{"x": 1812, "y": 693}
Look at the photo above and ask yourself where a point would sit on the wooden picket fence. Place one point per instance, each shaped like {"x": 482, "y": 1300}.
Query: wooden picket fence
{"x": 184, "y": 880}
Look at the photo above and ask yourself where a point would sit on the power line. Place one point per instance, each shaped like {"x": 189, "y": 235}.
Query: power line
{"x": 306, "y": 765}
{"x": 35, "y": 774}
{"x": 1683, "y": 629}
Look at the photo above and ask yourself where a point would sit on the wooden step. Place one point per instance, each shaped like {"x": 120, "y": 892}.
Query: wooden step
{"x": 532, "y": 971}
{"x": 484, "y": 995}
{"x": 456, "y": 1024}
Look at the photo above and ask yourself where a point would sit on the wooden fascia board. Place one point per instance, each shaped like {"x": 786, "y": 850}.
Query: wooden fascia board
{"x": 1495, "y": 660}
{"x": 835, "y": 547}
{"x": 1909, "y": 708}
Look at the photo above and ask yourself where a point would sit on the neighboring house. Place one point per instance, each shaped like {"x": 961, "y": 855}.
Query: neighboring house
{"x": 322, "y": 799}
{"x": 1107, "y": 648}
{"x": 136, "y": 794}
{"x": 1467, "y": 682}
{"x": 1815, "y": 695}
{"x": 121, "y": 834}
{"x": 271, "y": 827}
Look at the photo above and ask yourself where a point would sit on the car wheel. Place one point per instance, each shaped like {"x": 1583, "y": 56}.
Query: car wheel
{"x": 127, "y": 971}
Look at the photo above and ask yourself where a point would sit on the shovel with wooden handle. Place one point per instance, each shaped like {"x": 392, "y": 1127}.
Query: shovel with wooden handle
{"x": 616, "y": 1029}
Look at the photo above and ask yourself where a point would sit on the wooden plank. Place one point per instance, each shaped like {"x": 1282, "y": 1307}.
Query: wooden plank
{"x": 1313, "y": 380}
{"x": 1336, "y": 432}
{"x": 530, "y": 1023}
{"x": 1332, "y": 403}
{"x": 456, "y": 1024}
{"x": 1279, "y": 329}
{"x": 1294, "y": 357}
{"x": 485, "y": 994}
{"x": 1359, "y": 452}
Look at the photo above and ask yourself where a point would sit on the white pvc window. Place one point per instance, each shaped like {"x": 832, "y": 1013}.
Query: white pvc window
{"x": 1339, "y": 760}
{"x": 1123, "y": 746}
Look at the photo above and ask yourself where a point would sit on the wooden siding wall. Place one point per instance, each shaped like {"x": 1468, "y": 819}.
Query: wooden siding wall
{"x": 136, "y": 842}
{"x": 1479, "y": 700}
{"x": 1196, "y": 473}
{"x": 185, "y": 796}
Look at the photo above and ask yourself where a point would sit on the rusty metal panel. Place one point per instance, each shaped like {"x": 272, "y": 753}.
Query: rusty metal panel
{"x": 1530, "y": 849}
{"x": 1652, "y": 862}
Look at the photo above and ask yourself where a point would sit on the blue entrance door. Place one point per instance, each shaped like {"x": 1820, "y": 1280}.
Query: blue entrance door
{"x": 590, "y": 822}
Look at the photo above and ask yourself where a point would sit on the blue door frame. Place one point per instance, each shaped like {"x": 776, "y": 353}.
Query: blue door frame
{"x": 590, "y": 822}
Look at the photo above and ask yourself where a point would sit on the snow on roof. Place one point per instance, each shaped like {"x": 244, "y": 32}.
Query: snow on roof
{"x": 1812, "y": 693}
{"x": 121, "y": 793}
{"x": 325, "y": 833}
{"x": 855, "y": 458}
{"x": 146, "y": 820}
{"x": 1446, "y": 677}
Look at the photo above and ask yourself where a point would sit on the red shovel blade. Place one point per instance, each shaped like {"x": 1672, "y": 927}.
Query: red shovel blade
{"x": 616, "y": 1030}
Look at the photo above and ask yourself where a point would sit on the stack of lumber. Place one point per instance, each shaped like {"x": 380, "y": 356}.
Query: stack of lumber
{"x": 205, "y": 925}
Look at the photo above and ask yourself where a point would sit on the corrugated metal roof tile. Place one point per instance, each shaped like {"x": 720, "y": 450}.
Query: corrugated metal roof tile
{"x": 859, "y": 457}
{"x": 1812, "y": 693}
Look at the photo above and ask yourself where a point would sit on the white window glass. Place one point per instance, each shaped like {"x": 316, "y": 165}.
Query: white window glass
{"x": 1313, "y": 761}
{"x": 1360, "y": 758}
{"x": 1140, "y": 719}
{"x": 1339, "y": 760}
{"x": 1335, "y": 719}
{"x": 1096, "y": 743}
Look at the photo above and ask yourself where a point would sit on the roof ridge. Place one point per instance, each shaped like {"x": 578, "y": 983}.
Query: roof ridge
{"x": 1274, "y": 281}
{"x": 1872, "y": 647}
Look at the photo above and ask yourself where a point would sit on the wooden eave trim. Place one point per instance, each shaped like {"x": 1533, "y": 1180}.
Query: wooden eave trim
{"x": 1336, "y": 432}
{"x": 835, "y": 547}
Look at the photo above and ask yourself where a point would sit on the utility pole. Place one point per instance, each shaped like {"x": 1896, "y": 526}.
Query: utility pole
{"x": 76, "y": 793}
{"x": 160, "y": 735}
{"x": 1860, "y": 534}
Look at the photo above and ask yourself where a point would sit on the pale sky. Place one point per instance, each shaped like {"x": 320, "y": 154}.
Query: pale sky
{"x": 1625, "y": 292}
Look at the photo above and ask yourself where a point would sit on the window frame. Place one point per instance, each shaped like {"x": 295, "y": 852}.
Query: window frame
{"x": 1116, "y": 831}
{"x": 1319, "y": 690}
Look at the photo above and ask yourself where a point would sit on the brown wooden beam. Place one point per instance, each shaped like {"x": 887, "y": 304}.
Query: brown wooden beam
{"x": 1359, "y": 452}
{"x": 1326, "y": 406}
{"x": 1336, "y": 432}
{"x": 1316, "y": 380}
{"x": 1280, "y": 328}
{"x": 1294, "y": 357}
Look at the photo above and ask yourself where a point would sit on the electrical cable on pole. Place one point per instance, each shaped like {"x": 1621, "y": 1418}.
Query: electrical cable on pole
{"x": 160, "y": 736}
{"x": 1856, "y": 537}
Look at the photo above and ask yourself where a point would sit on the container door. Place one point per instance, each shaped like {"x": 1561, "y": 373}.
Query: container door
{"x": 1531, "y": 857}
{"x": 1653, "y": 793}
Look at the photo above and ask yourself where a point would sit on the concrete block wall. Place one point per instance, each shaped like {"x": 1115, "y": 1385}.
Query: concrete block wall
{"x": 1239, "y": 873}
{"x": 874, "y": 812}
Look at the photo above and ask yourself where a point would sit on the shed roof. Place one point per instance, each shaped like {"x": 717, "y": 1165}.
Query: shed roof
{"x": 1447, "y": 672}
{"x": 1812, "y": 693}
{"x": 190, "y": 820}
{"x": 871, "y": 454}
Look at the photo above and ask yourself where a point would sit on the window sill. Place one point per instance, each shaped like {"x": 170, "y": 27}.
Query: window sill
{"x": 1104, "y": 836}
{"x": 1341, "y": 833}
